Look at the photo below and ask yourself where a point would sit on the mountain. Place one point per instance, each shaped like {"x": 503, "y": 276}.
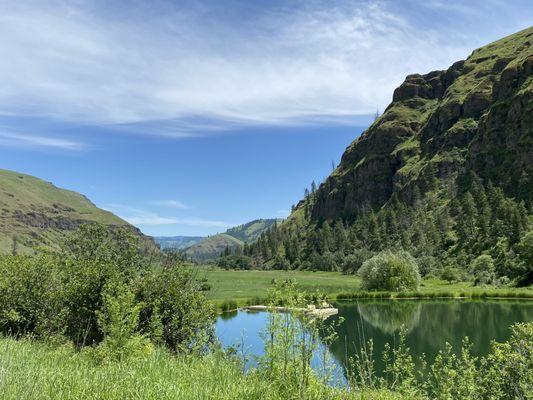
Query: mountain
{"x": 211, "y": 247}
{"x": 446, "y": 172}
{"x": 251, "y": 231}
{"x": 37, "y": 213}
{"x": 177, "y": 242}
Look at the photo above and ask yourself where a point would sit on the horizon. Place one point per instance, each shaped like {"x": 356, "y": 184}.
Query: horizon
{"x": 182, "y": 119}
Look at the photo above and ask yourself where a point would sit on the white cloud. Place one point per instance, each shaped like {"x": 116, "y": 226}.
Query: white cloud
{"x": 21, "y": 140}
{"x": 137, "y": 216}
{"x": 172, "y": 204}
{"x": 84, "y": 63}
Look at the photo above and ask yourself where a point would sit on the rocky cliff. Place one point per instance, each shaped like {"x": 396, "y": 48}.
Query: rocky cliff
{"x": 475, "y": 116}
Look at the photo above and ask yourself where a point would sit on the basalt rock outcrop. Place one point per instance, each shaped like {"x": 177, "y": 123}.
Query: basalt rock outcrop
{"x": 475, "y": 116}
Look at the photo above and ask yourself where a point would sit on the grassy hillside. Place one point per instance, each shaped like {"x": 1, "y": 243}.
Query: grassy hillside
{"x": 37, "y": 213}
{"x": 251, "y": 231}
{"x": 211, "y": 247}
{"x": 177, "y": 242}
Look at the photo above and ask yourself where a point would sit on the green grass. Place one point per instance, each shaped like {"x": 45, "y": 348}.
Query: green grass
{"x": 44, "y": 202}
{"x": 244, "y": 287}
{"x": 32, "y": 370}
{"x": 435, "y": 288}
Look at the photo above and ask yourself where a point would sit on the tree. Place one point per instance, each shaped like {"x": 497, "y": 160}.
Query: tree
{"x": 524, "y": 270}
{"x": 390, "y": 271}
{"x": 483, "y": 270}
{"x": 352, "y": 262}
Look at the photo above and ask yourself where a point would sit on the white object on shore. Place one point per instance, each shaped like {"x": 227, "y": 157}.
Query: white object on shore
{"x": 323, "y": 313}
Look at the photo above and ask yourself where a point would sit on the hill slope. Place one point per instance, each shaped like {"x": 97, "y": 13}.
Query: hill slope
{"x": 37, "y": 213}
{"x": 446, "y": 172}
{"x": 177, "y": 242}
{"x": 211, "y": 247}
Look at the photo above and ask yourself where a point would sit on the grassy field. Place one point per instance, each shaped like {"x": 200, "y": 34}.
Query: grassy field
{"x": 34, "y": 371}
{"x": 244, "y": 285}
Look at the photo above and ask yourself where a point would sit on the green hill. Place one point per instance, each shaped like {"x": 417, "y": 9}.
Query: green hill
{"x": 446, "y": 173}
{"x": 211, "y": 247}
{"x": 37, "y": 213}
{"x": 177, "y": 242}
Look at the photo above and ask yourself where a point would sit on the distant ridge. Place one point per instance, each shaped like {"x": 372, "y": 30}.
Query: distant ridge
{"x": 211, "y": 247}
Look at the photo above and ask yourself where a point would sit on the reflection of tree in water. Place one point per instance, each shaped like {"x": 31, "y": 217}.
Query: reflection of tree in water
{"x": 227, "y": 315}
{"x": 390, "y": 316}
{"x": 430, "y": 325}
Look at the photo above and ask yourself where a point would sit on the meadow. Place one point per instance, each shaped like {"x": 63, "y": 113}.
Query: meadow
{"x": 244, "y": 287}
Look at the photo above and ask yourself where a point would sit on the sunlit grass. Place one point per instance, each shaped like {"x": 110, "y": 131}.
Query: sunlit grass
{"x": 32, "y": 370}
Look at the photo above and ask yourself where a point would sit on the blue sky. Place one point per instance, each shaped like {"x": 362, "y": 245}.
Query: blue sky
{"x": 187, "y": 117}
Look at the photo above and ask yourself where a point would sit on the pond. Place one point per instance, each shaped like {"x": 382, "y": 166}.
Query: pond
{"x": 429, "y": 325}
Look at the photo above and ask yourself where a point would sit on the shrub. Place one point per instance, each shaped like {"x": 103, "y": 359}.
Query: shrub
{"x": 229, "y": 305}
{"x": 175, "y": 311}
{"x": 119, "y": 321}
{"x": 450, "y": 274}
{"x": 30, "y": 295}
{"x": 428, "y": 265}
{"x": 390, "y": 271}
{"x": 483, "y": 270}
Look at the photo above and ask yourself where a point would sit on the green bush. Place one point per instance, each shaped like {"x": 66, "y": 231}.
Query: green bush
{"x": 74, "y": 293}
{"x": 176, "y": 312}
{"x": 390, "y": 271}
{"x": 119, "y": 321}
{"x": 229, "y": 305}
{"x": 483, "y": 270}
{"x": 31, "y": 291}
{"x": 450, "y": 274}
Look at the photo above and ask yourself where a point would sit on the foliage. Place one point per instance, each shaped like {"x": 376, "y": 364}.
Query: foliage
{"x": 119, "y": 321}
{"x": 483, "y": 270}
{"x": 391, "y": 272}
{"x": 524, "y": 269}
{"x": 100, "y": 290}
{"x": 450, "y": 274}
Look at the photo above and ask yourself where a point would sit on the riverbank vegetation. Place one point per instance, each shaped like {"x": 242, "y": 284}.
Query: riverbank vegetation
{"x": 51, "y": 370}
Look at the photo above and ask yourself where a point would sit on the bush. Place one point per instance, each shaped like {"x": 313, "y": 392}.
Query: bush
{"x": 483, "y": 270}
{"x": 119, "y": 322}
{"x": 100, "y": 291}
{"x": 390, "y": 271}
{"x": 450, "y": 274}
{"x": 428, "y": 265}
{"x": 31, "y": 295}
{"x": 175, "y": 311}
{"x": 229, "y": 305}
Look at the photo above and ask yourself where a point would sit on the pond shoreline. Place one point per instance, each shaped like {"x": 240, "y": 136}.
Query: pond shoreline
{"x": 231, "y": 305}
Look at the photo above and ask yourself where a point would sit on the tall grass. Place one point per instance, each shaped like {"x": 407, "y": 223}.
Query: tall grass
{"x": 33, "y": 370}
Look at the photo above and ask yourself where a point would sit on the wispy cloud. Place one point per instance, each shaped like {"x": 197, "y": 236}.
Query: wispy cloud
{"x": 22, "y": 140}
{"x": 156, "y": 67}
{"x": 172, "y": 204}
{"x": 141, "y": 217}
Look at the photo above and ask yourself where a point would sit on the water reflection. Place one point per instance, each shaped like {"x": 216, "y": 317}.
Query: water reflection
{"x": 389, "y": 317}
{"x": 429, "y": 325}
